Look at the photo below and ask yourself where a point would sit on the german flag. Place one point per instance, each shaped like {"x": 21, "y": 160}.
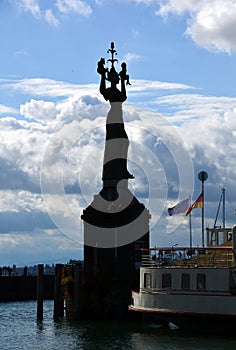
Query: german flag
{"x": 197, "y": 204}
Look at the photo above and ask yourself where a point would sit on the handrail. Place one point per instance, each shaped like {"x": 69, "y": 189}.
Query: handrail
{"x": 176, "y": 248}
{"x": 189, "y": 257}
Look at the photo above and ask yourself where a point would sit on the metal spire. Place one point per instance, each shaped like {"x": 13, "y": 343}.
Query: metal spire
{"x": 113, "y": 52}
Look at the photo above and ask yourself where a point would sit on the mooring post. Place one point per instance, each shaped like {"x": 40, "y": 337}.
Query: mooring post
{"x": 40, "y": 291}
{"x": 76, "y": 289}
{"x": 58, "y": 293}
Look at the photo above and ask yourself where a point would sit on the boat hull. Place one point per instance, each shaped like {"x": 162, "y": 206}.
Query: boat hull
{"x": 205, "y": 312}
{"x": 204, "y": 323}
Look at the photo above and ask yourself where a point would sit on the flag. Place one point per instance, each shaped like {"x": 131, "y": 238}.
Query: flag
{"x": 180, "y": 207}
{"x": 197, "y": 204}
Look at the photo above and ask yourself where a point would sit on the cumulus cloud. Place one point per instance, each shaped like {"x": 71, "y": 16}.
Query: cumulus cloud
{"x": 207, "y": 126}
{"x": 210, "y": 23}
{"x": 230, "y": 119}
{"x": 51, "y": 158}
{"x": 39, "y": 110}
{"x": 22, "y": 144}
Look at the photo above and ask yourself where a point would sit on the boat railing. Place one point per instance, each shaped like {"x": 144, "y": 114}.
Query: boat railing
{"x": 221, "y": 257}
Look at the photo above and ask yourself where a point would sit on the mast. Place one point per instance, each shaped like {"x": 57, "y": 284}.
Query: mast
{"x": 223, "y": 215}
{"x": 222, "y": 199}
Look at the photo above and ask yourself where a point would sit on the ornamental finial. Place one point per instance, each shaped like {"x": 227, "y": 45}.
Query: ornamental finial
{"x": 113, "y": 52}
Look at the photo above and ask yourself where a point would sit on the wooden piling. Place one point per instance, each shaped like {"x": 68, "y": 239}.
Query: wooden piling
{"x": 76, "y": 294}
{"x": 58, "y": 293}
{"x": 40, "y": 290}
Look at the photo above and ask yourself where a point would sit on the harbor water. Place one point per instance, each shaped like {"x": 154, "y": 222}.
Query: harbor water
{"x": 20, "y": 330}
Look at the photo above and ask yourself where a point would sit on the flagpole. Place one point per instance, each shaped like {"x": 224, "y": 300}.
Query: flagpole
{"x": 190, "y": 230}
{"x": 202, "y": 176}
{"x": 190, "y": 226}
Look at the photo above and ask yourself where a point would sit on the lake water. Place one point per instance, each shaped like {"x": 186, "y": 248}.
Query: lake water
{"x": 20, "y": 330}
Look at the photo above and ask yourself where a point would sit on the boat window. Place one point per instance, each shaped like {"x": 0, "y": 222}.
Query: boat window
{"x": 201, "y": 281}
{"x": 166, "y": 280}
{"x": 185, "y": 281}
{"x": 147, "y": 280}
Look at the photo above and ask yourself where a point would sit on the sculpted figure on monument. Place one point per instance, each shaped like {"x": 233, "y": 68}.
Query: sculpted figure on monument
{"x": 123, "y": 73}
{"x": 112, "y": 93}
{"x": 117, "y": 142}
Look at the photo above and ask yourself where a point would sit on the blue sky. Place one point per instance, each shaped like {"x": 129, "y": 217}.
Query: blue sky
{"x": 180, "y": 113}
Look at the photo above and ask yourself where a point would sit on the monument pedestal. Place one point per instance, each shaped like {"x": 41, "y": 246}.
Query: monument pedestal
{"x": 113, "y": 228}
{"x": 113, "y": 237}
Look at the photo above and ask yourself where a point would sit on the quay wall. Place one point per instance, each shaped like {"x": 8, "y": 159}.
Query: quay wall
{"x": 20, "y": 288}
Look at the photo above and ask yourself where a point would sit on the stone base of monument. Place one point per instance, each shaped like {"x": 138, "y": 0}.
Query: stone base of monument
{"x": 105, "y": 295}
{"x": 114, "y": 232}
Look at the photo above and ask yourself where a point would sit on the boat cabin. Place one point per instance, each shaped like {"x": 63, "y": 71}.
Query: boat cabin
{"x": 184, "y": 269}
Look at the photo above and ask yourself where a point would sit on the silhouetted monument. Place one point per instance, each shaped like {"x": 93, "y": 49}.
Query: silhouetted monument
{"x": 116, "y": 224}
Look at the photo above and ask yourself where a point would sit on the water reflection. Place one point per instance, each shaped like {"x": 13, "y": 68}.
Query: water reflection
{"x": 20, "y": 330}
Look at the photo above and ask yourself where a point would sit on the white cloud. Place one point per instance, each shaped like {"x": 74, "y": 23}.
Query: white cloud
{"x": 23, "y": 52}
{"x": 145, "y": 87}
{"x": 38, "y": 246}
{"x": 50, "y": 88}
{"x": 51, "y": 18}
{"x": 180, "y": 107}
{"x": 31, "y": 6}
{"x": 146, "y": 2}
{"x": 230, "y": 119}
{"x": 211, "y": 143}
{"x": 55, "y": 89}
{"x": 76, "y": 6}
{"x": 130, "y": 57}
{"x": 207, "y": 125}
{"x": 39, "y": 110}
{"x": 179, "y": 6}
{"x": 7, "y": 110}
{"x": 214, "y": 27}
{"x": 211, "y": 23}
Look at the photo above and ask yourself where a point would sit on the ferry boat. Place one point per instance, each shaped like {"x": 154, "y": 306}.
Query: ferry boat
{"x": 192, "y": 288}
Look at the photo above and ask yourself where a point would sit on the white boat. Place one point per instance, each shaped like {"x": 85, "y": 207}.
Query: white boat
{"x": 193, "y": 288}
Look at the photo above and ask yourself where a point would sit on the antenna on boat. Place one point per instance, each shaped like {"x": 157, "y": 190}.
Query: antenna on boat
{"x": 223, "y": 194}
{"x": 222, "y": 200}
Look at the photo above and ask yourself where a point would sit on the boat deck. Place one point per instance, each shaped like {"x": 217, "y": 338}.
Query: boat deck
{"x": 214, "y": 257}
